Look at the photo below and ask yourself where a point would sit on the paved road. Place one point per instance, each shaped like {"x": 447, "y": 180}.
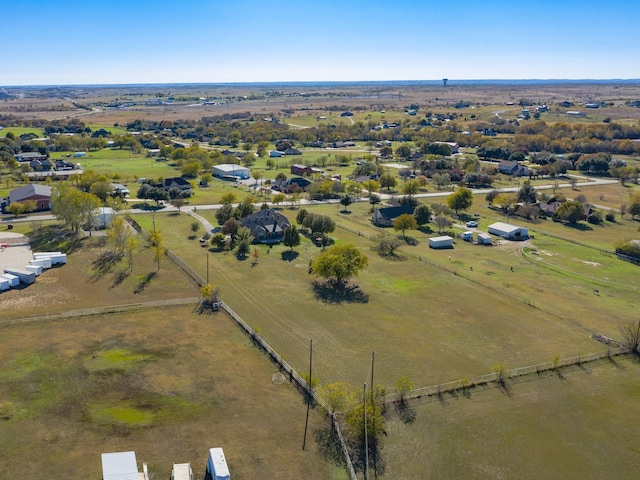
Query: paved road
{"x": 586, "y": 181}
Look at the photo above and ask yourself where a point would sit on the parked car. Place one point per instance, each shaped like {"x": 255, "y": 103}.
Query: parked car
{"x": 472, "y": 223}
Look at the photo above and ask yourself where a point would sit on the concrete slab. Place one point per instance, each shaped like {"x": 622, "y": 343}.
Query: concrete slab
{"x": 14, "y": 256}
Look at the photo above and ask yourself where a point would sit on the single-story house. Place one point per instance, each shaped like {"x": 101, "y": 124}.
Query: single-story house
{"x": 119, "y": 466}
{"x": 231, "y": 169}
{"x": 177, "y": 182}
{"x": 444, "y": 241}
{"x": 384, "y": 217}
{"x": 297, "y": 169}
{"x": 267, "y": 226}
{"x": 510, "y": 167}
{"x": 508, "y": 231}
{"x": 41, "y": 194}
{"x": 291, "y": 184}
{"x": 484, "y": 239}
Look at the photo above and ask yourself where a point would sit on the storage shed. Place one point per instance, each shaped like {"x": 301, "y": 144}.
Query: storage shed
{"x": 508, "y": 231}
{"x": 441, "y": 242}
{"x": 217, "y": 465}
{"x": 119, "y": 466}
{"x": 485, "y": 239}
{"x": 231, "y": 169}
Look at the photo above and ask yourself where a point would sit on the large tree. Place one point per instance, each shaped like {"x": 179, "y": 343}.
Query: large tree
{"x": 338, "y": 263}
{"x": 73, "y": 206}
{"x": 422, "y": 214}
{"x": 387, "y": 180}
{"x": 405, "y": 222}
{"x": 571, "y": 212}
{"x": 291, "y": 237}
{"x": 459, "y": 200}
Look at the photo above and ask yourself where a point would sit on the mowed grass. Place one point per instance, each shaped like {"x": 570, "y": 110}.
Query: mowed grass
{"x": 428, "y": 322}
{"x": 579, "y": 426}
{"x": 165, "y": 382}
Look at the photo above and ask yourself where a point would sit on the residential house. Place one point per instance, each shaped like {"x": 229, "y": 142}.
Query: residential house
{"x": 267, "y": 226}
{"x": 297, "y": 169}
{"x": 511, "y": 167}
{"x": 177, "y": 182}
{"x": 384, "y": 217}
{"x": 292, "y": 151}
{"x": 290, "y": 185}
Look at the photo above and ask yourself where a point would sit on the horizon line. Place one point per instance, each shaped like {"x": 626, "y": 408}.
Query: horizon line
{"x": 450, "y": 82}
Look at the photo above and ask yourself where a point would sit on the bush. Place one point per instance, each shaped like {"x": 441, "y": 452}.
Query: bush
{"x": 595, "y": 218}
{"x": 610, "y": 217}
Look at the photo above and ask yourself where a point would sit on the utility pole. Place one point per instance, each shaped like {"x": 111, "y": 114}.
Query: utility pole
{"x": 207, "y": 268}
{"x": 306, "y": 423}
{"x": 366, "y": 441}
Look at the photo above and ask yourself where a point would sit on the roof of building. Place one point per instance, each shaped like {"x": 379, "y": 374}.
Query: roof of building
{"x": 119, "y": 466}
{"x": 230, "y": 168}
{"x": 394, "y": 212}
{"x": 505, "y": 227}
{"x": 28, "y": 191}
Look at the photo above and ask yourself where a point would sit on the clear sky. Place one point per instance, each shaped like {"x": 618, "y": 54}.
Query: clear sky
{"x": 54, "y": 42}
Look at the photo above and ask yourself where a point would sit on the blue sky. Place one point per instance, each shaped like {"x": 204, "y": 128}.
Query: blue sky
{"x": 47, "y": 42}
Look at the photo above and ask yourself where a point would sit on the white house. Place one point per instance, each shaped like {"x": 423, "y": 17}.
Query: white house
{"x": 508, "y": 231}
{"x": 231, "y": 169}
{"x": 441, "y": 242}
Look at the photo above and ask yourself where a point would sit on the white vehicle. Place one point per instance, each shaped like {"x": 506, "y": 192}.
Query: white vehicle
{"x": 472, "y": 223}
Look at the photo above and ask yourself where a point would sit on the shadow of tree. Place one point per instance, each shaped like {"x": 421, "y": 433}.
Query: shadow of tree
{"x": 329, "y": 445}
{"x": 143, "y": 281}
{"x": 119, "y": 277}
{"x": 104, "y": 263}
{"x": 405, "y": 412}
{"x": 333, "y": 292}
{"x": 289, "y": 255}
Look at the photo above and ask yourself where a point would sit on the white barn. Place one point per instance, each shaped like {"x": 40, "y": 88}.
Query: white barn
{"x": 231, "y": 169}
{"x": 508, "y": 231}
{"x": 441, "y": 242}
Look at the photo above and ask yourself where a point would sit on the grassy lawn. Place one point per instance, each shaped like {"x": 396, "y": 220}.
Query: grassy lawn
{"x": 168, "y": 384}
{"x": 17, "y": 131}
{"x": 571, "y": 428}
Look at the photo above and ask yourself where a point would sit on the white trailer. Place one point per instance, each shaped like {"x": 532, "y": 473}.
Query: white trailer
{"x": 44, "y": 262}
{"x": 57, "y": 258}
{"x": 4, "y": 284}
{"x": 217, "y": 465}
{"x": 444, "y": 241}
{"x": 37, "y": 269}
{"x": 25, "y": 277}
{"x": 12, "y": 279}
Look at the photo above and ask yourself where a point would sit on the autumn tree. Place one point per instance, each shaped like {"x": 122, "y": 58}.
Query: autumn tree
{"x": 405, "y": 222}
{"x": 459, "y": 200}
{"x": 571, "y": 212}
{"x": 338, "y": 263}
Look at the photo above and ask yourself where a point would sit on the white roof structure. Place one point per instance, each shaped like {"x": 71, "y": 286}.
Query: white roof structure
{"x": 217, "y": 464}
{"x": 182, "y": 471}
{"x": 230, "y": 168}
{"x": 119, "y": 466}
{"x": 507, "y": 230}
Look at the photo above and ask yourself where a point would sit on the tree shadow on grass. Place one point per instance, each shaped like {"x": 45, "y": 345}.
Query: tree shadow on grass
{"x": 334, "y": 292}
{"x": 120, "y": 277}
{"x": 143, "y": 281}
{"x": 583, "y": 227}
{"x": 329, "y": 445}
{"x": 103, "y": 264}
{"x": 406, "y": 413}
{"x": 289, "y": 255}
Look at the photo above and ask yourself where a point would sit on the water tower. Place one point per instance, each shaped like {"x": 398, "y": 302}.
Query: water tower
{"x": 444, "y": 82}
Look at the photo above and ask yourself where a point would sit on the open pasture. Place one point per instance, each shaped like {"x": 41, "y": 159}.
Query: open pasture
{"x": 580, "y": 424}
{"x": 166, "y": 383}
{"x": 423, "y": 320}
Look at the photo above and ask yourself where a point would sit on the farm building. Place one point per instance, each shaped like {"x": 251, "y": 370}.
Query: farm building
{"x": 508, "y": 231}
{"x": 217, "y": 465}
{"x": 484, "y": 239}
{"x": 41, "y": 194}
{"x": 444, "y": 241}
{"x": 222, "y": 170}
{"x": 119, "y": 466}
{"x": 103, "y": 217}
{"x": 384, "y": 217}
